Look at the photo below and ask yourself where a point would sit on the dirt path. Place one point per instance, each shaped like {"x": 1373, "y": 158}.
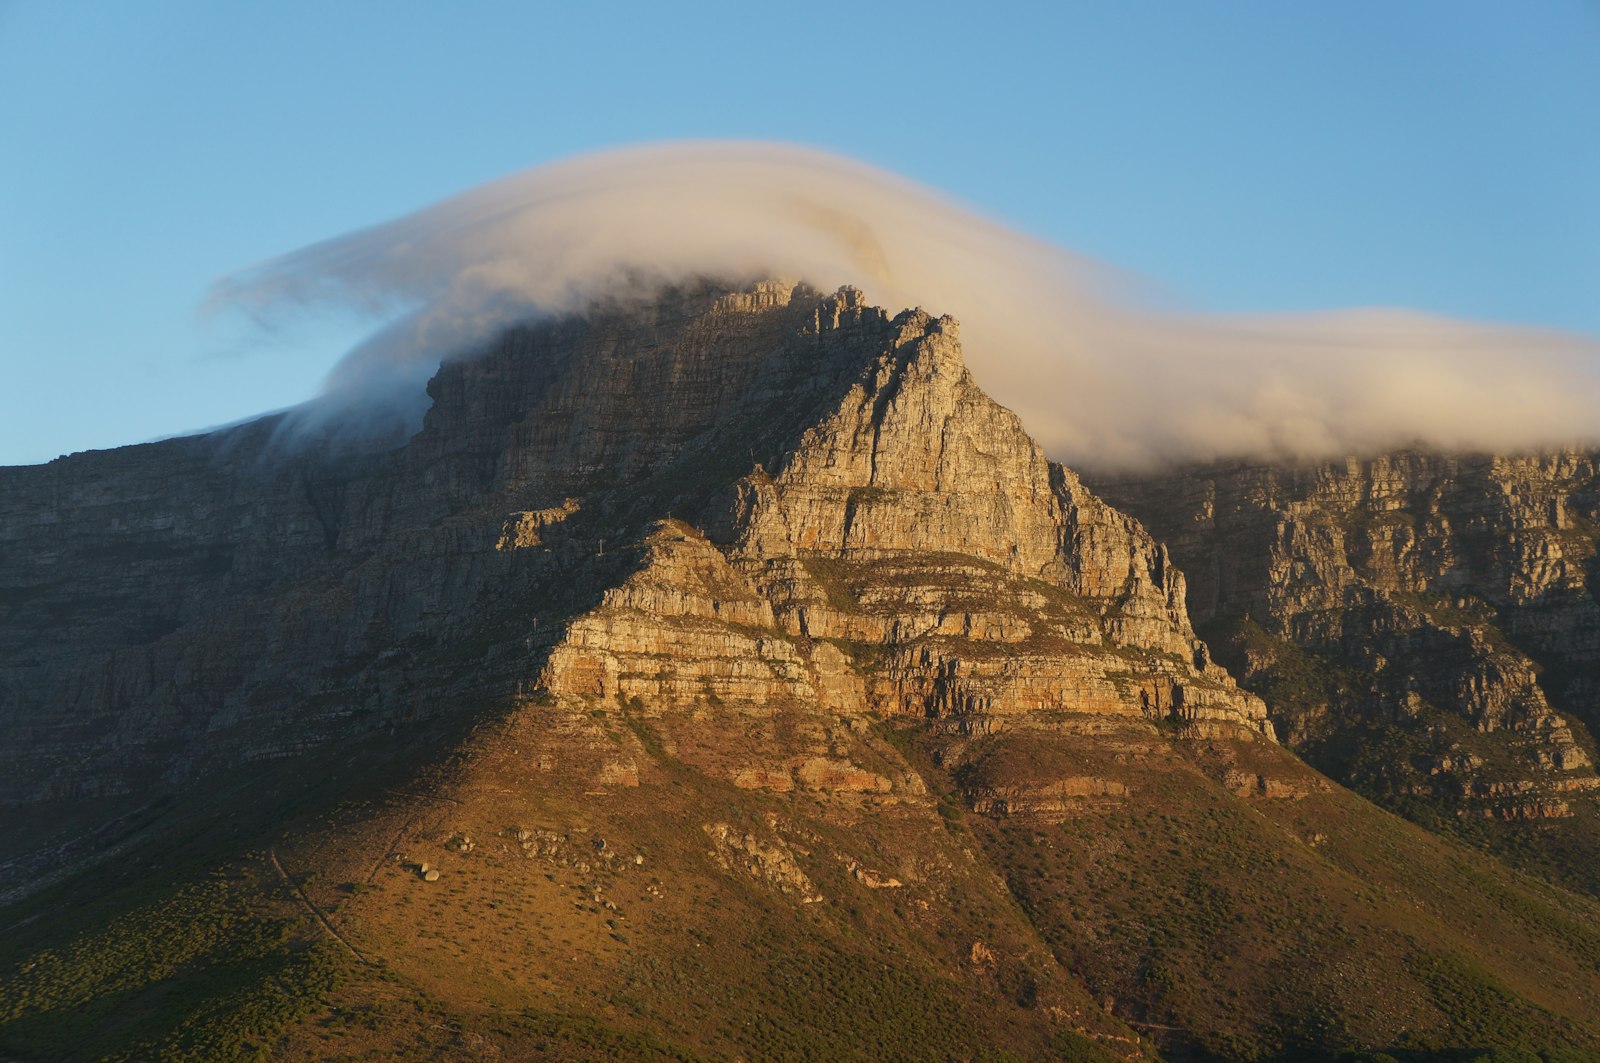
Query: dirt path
{"x": 272, "y": 854}
{"x": 394, "y": 847}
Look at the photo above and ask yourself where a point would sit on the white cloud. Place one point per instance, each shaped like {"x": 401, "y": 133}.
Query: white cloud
{"x": 1099, "y": 378}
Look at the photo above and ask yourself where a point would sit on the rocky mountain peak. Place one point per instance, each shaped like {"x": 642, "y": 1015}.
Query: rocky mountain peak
{"x": 842, "y": 461}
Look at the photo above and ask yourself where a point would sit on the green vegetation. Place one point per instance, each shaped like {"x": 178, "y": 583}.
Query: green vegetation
{"x": 1223, "y": 928}
{"x": 835, "y": 578}
{"x": 1295, "y": 681}
{"x": 1181, "y": 898}
{"x": 1483, "y": 1011}
{"x": 195, "y": 975}
{"x": 577, "y": 1037}
{"x": 1325, "y": 710}
{"x": 646, "y": 734}
{"x": 1070, "y": 1047}
{"x": 839, "y": 1004}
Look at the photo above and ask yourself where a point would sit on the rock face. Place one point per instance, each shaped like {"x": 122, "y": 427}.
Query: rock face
{"x": 1427, "y": 624}
{"x": 913, "y": 552}
{"x": 853, "y": 525}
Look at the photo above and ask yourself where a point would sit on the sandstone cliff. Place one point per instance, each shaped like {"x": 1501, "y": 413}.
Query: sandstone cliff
{"x": 1423, "y": 626}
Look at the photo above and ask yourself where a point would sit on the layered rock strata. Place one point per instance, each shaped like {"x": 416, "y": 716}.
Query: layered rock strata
{"x": 911, "y": 552}
{"x": 1428, "y": 622}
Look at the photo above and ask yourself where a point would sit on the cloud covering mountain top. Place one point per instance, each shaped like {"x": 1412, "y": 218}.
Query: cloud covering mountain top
{"x": 1100, "y": 376}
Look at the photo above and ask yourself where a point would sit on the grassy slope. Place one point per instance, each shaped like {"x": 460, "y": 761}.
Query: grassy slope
{"x": 1373, "y": 758}
{"x": 1293, "y": 925}
{"x": 1216, "y": 925}
{"x": 715, "y": 962}
{"x": 511, "y": 956}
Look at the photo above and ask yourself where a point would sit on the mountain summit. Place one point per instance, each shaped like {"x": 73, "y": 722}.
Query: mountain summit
{"x": 723, "y": 676}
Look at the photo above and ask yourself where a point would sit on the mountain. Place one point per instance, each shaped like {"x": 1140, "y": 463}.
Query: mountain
{"x": 720, "y": 676}
{"x": 1423, "y": 626}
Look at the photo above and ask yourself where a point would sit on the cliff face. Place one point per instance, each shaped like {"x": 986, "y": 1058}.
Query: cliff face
{"x": 916, "y": 524}
{"x": 177, "y": 608}
{"x": 909, "y": 553}
{"x": 181, "y": 607}
{"x": 1422, "y": 625}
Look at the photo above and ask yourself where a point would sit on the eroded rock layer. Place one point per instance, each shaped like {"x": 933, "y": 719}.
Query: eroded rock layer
{"x": 1426, "y": 623}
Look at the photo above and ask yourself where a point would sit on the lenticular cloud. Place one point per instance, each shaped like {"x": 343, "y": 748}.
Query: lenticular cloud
{"x": 1101, "y": 378}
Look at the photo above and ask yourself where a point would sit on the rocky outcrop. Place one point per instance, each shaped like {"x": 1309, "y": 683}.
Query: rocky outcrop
{"x": 917, "y": 528}
{"x": 684, "y": 630}
{"x": 915, "y": 459}
{"x": 522, "y": 530}
{"x": 769, "y": 861}
{"x": 1443, "y": 599}
{"x": 909, "y": 552}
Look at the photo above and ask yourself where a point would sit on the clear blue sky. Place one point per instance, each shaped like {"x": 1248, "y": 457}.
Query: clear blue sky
{"x": 1261, "y": 155}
